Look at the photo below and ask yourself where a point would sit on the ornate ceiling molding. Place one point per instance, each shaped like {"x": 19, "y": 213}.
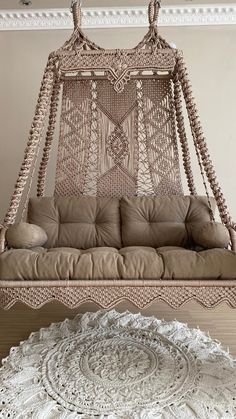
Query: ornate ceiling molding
{"x": 189, "y": 15}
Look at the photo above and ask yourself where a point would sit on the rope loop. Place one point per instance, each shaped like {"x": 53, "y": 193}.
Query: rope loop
{"x": 76, "y": 11}
{"x": 153, "y": 11}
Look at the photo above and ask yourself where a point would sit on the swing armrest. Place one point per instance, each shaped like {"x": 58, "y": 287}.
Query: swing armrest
{"x": 2, "y": 239}
{"x": 232, "y": 233}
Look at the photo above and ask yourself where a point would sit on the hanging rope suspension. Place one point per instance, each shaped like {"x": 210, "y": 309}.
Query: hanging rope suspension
{"x": 153, "y": 12}
{"x": 76, "y": 12}
{"x": 49, "y": 137}
{"x": 152, "y": 39}
{"x": 34, "y": 138}
{"x": 200, "y": 140}
{"x": 183, "y": 136}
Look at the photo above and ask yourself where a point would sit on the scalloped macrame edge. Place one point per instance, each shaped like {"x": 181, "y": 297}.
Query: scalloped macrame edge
{"x": 109, "y": 296}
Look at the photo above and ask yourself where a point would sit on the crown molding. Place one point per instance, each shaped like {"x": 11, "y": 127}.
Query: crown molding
{"x": 115, "y": 17}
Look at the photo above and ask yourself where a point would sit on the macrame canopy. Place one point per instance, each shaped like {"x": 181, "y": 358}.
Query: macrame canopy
{"x": 121, "y": 123}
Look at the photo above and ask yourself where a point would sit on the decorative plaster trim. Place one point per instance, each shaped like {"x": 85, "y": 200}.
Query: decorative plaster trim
{"x": 115, "y": 17}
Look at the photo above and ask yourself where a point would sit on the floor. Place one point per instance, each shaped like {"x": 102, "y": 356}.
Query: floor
{"x": 16, "y": 324}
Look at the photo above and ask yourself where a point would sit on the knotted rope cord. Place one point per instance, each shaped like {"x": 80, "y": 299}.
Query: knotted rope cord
{"x": 78, "y": 38}
{"x": 153, "y": 11}
{"x": 49, "y": 136}
{"x": 34, "y": 139}
{"x": 152, "y": 39}
{"x": 212, "y": 217}
{"x": 202, "y": 174}
{"x": 33, "y": 168}
{"x": 76, "y": 12}
{"x": 183, "y": 136}
{"x": 199, "y": 138}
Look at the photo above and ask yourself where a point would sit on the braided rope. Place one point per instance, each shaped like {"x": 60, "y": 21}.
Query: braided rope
{"x": 152, "y": 39}
{"x": 200, "y": 139}
{"x": 30, "y": 180}
{"x": 199, "y": 163}
{"x": 76, "y": 12}
{"x": 49, "y": 137}
{"x": 183, "y": 136}
{"x": 153, "y": 11}
{"x": 34, "y": 138}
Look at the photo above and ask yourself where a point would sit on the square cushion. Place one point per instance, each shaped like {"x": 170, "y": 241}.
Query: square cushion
{"x": 77, "y": 222}
{"x": 161, "y": 221}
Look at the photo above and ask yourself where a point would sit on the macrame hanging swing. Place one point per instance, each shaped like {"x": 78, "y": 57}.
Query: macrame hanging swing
{"x": 120, "y": 125}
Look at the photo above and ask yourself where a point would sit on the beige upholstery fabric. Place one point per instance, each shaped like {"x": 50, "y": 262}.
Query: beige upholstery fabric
{"x": 110, "y": 263}
{"x": 161, "y": 221}
{"x": 67, "y": 263}
{"x": 81, "y": 223}
{"x": 25, "y": 236}
{"x": 207, "y": 264}
{"x": 210, "y": 235}
{"x": 85, "y": 222}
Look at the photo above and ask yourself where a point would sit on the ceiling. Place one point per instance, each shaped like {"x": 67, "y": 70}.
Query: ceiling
{"x": 38, "y": 4}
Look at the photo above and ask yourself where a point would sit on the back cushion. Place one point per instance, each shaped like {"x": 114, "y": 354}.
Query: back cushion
{"x": 79, "y": 222}
{"x": 161, "y": 221}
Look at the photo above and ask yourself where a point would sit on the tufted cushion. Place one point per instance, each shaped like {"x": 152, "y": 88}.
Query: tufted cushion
{"x": 78, "y": 222}
{"x": 207, "y": 264}
{"x": 161, "y": 221}
{"x": 110, "y": 263}
{"x": 66, "y": 263}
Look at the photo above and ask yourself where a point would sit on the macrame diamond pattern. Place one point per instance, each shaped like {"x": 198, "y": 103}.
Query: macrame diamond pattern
{"x": 117, "y": 144}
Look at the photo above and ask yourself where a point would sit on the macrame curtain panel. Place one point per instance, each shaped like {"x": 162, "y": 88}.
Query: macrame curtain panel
{"x": 118, "y": 144}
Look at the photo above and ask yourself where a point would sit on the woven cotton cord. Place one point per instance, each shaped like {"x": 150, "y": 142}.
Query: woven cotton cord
{"x": 49, "y": 136}
{"x": 152, "y": 39}
{"x": 183, "y": 136}
{"x": 153, "y": 11}
{"x": 200, "y": 140}
{"x": 76, "y": 11}
{"x": 34, "y": 139}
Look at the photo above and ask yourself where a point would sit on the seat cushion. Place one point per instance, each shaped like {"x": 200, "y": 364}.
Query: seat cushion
{"x": 77, "y": 222}
{"x": 110, "y": 263}
{"x": 206, "y": 264}
{"x": 162, "y": 221}
{"x": 67, "y": 263}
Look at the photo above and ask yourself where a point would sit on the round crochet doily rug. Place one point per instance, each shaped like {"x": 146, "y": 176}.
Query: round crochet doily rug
{"x": 111, "y": 365}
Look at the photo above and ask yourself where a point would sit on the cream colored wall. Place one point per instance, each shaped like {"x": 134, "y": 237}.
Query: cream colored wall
{"x": 210, "y": 54}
